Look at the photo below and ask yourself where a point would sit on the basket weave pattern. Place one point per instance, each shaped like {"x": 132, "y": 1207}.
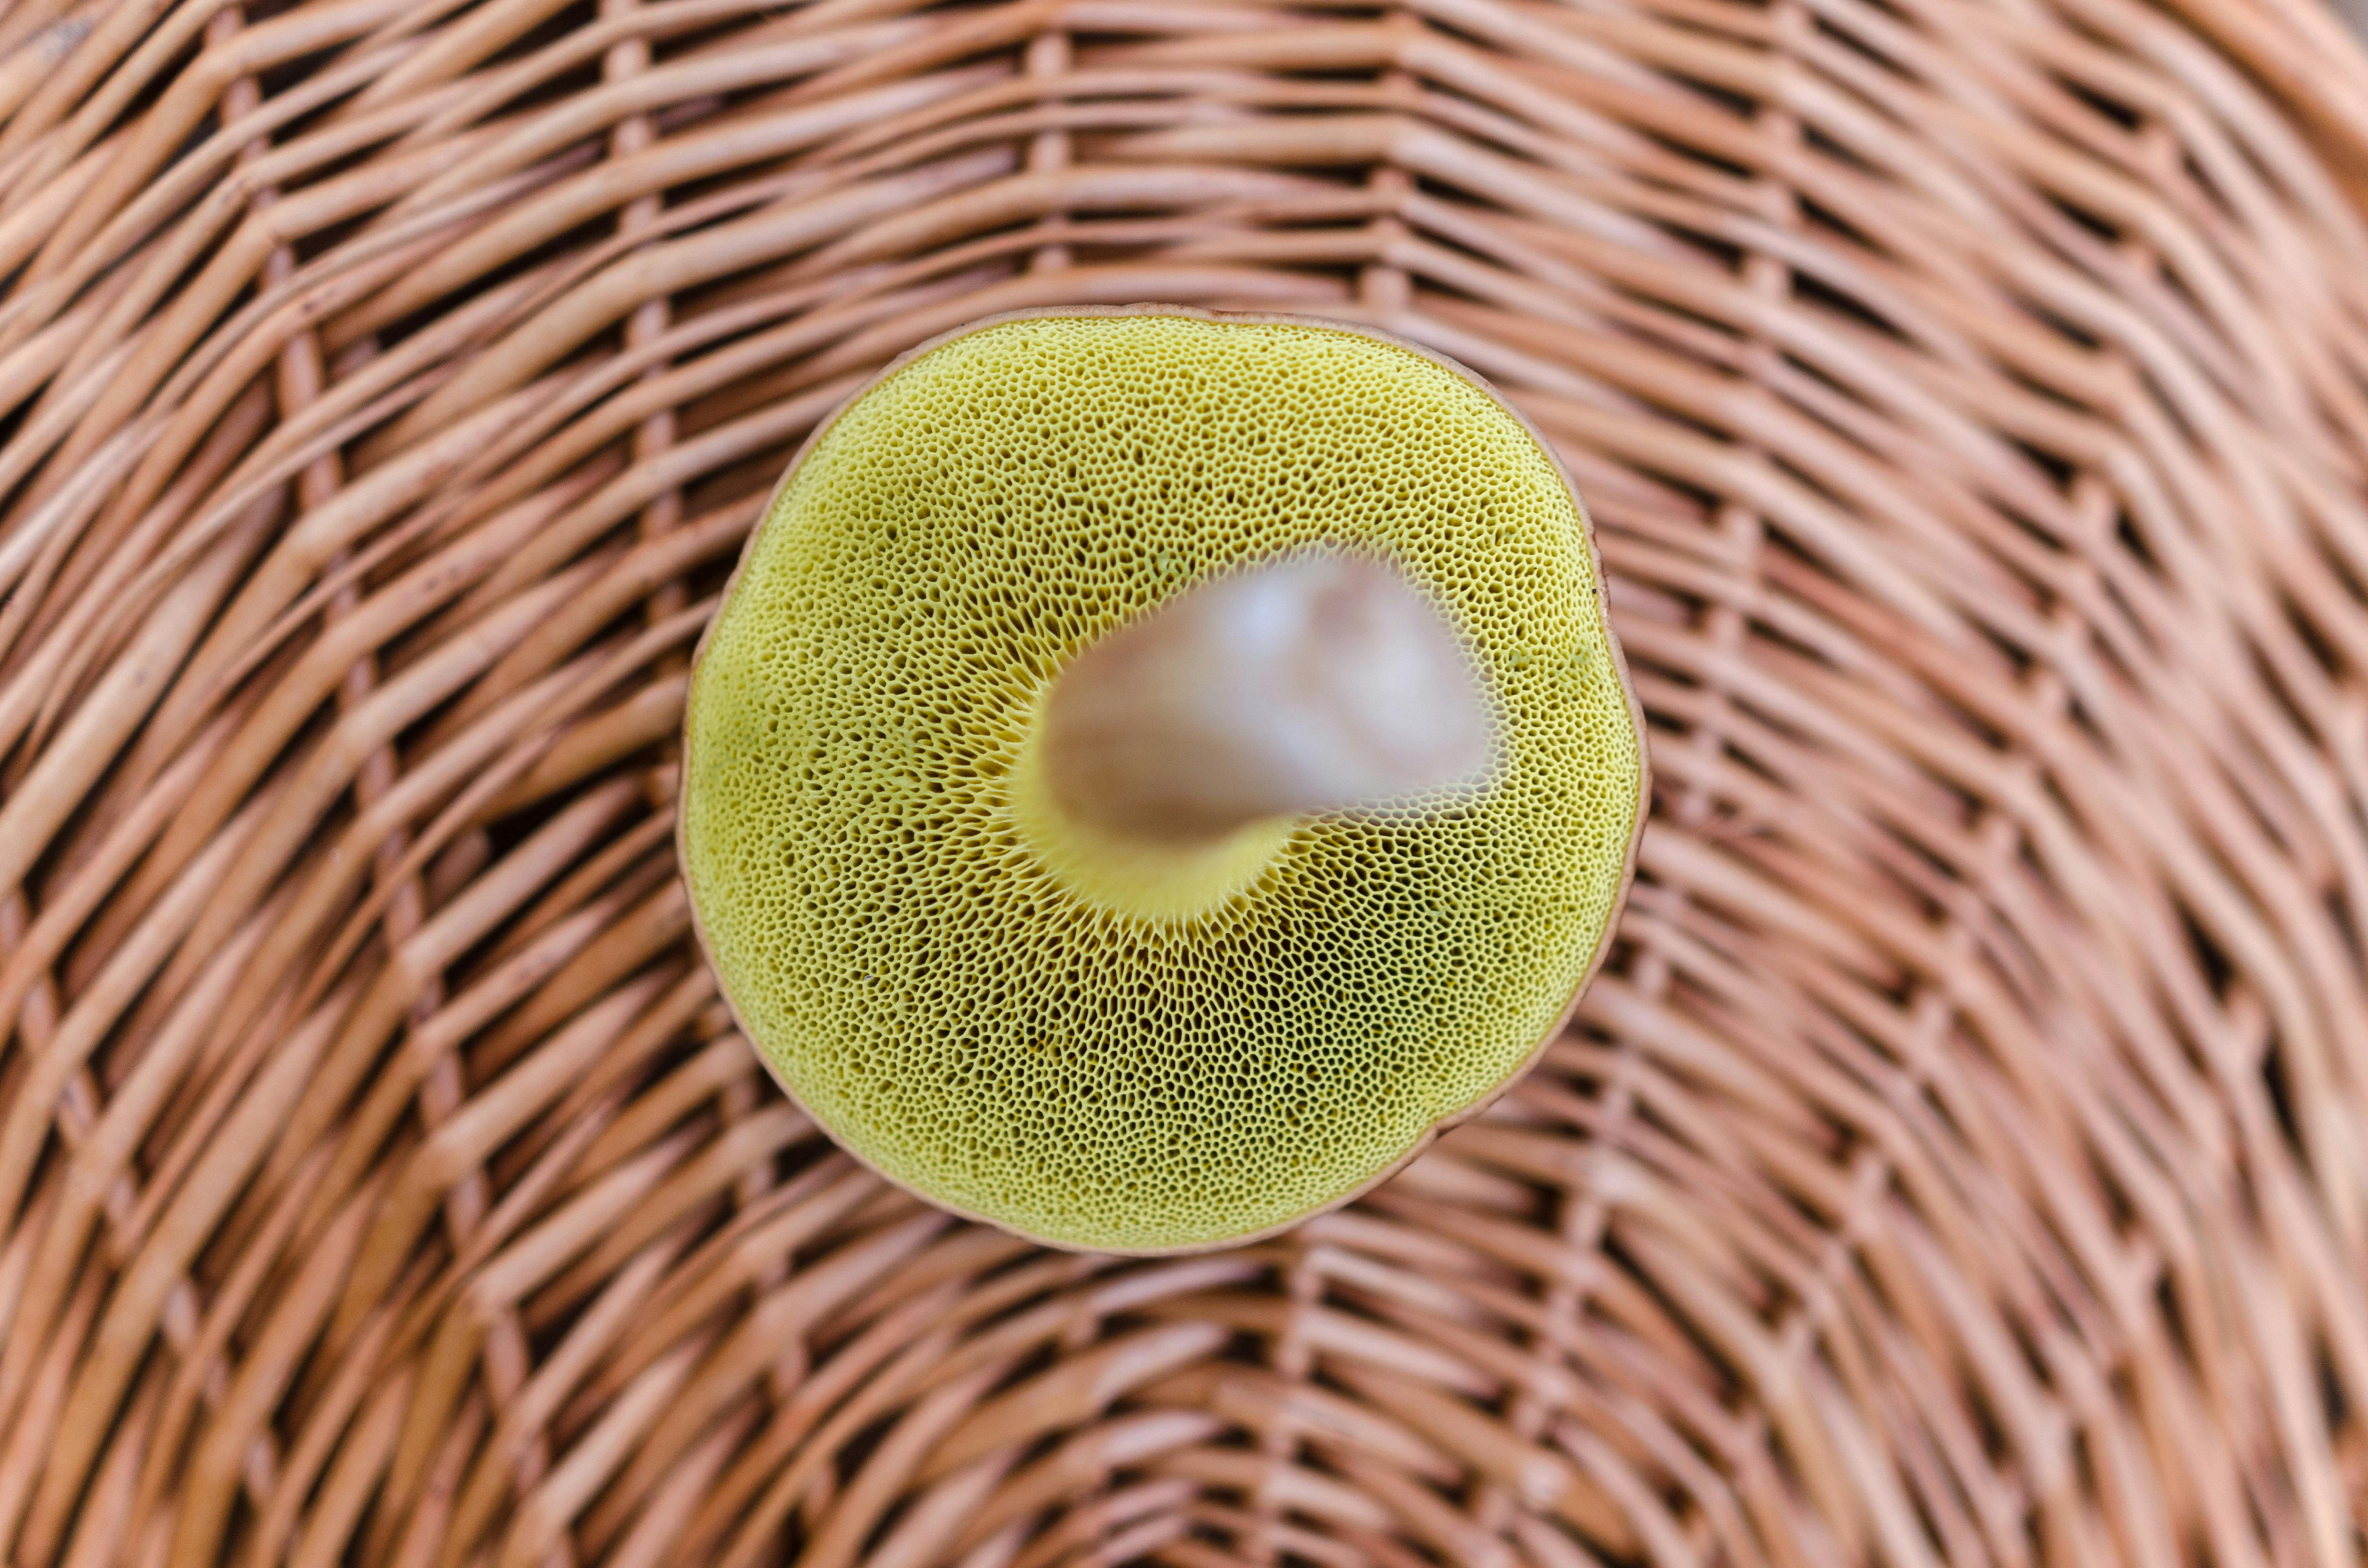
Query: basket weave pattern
{"x": 1964, "y": 1158}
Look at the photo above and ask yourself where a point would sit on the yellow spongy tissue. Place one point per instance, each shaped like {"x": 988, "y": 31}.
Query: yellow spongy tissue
{"x": 963, "y": 1016}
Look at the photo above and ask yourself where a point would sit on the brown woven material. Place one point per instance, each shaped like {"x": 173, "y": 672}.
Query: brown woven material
{"x": 1964, "y": 1158}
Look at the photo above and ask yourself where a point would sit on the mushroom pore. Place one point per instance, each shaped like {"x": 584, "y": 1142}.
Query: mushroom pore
{"x": 1150, "y": 770}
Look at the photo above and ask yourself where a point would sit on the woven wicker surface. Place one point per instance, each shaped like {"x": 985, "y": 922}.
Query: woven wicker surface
{"x": 1964, "y": 1158}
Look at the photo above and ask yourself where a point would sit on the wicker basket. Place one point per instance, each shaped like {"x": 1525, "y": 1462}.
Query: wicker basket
{"x": 1964, "y": 1159}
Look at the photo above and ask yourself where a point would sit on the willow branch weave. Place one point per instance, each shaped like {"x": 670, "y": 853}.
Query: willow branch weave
{"x": 1963, "y": 1159}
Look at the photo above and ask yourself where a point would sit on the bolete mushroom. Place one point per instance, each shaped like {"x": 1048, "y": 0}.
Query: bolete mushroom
{"x": 1152, "y": 769}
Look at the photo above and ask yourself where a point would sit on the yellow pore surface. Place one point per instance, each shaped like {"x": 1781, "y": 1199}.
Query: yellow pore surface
{"x": 1007, "y": 1035}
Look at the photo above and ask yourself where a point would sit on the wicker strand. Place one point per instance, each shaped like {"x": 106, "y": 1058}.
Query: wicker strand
{"x": 1961, "y": 1160}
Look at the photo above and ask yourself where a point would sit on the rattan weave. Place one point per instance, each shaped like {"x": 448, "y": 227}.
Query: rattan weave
{"x": 1964, "y": 1158}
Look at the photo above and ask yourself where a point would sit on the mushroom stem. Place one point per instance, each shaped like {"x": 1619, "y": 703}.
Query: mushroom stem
{"x": 1312, "y": 684}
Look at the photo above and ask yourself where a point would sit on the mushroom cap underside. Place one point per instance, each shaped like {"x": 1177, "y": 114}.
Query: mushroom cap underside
{"x": 997, "y": 1031}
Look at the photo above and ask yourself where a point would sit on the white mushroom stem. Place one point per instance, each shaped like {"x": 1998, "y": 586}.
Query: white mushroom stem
{"x": 1317, "y": 683}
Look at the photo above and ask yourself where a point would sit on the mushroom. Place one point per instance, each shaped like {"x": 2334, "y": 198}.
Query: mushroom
{"x": 1152, "y": 769}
